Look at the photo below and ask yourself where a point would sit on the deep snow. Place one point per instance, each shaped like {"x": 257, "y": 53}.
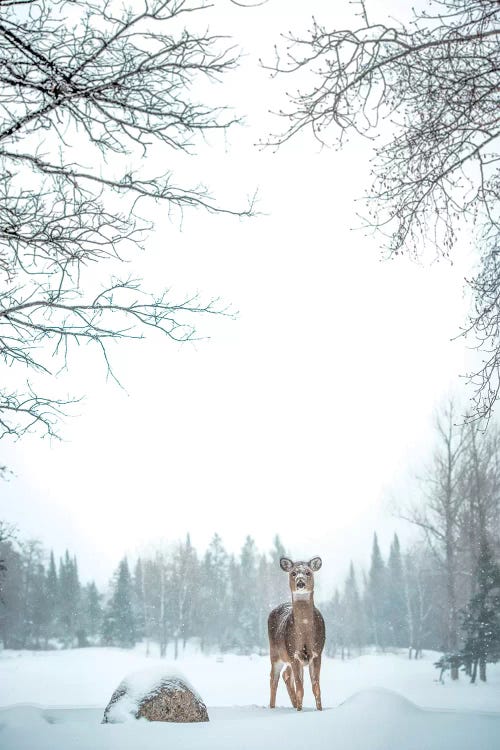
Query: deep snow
{"x": 373, "y": 701}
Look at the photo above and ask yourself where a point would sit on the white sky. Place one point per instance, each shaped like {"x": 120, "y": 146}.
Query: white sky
{"x": 301, "y": 416}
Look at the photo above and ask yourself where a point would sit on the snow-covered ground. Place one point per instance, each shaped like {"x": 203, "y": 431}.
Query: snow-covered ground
{"x": 55, "y": 701}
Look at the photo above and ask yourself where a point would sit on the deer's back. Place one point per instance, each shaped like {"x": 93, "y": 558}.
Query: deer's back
{"x": 277, "y": 622}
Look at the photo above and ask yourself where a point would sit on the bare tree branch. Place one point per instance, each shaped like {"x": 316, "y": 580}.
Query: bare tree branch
{"x": 101, "y": 84}
{"x": 431, "y": 88}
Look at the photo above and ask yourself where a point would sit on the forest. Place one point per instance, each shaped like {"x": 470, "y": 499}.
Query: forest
{"x": 442, "y": 592}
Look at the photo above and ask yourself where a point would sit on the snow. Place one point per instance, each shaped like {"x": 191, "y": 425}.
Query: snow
{"x": 55, "y": 701}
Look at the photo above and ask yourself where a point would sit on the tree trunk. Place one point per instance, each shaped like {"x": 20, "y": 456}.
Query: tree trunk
{"x": 474, "y": 671}
{"x": 482, "y": 669}
{"x": 452, "y": 604}
{"x": 163, "y": 615}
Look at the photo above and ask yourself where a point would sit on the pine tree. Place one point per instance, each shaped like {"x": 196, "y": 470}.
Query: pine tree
{"x": 151, "y": 581}
{"x": 247, "y": 597}
{"x": 184, "y": 589}
{"x": 264, "y": 600}
{"x": 11, "y": 597}
{"x": 32, "y": 557}
{"x": 38, "y": 610}
{"x": 353, "y": 612}
{"x": 396, "y": 602}
{"x": 376, "y": 594}
{"x": 69, "y": 599}
{"x": 333, "y": 613}
{"x": 214, "y": 595}
{"x": 52, "y": 594}
{"x": 235, "y": 638}
{"x": 279, "y": 587}
{"x": 92, "y": 611}
{"x": 119, "y": 624}
{"x": 139, "y": 603}
{"x": 482, "y": 616}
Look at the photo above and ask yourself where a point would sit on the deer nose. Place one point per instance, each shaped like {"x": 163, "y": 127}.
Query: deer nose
{"x": 301, "y": 584}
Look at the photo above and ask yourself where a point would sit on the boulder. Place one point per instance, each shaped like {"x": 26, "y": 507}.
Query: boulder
{"x": 156, "y": 695}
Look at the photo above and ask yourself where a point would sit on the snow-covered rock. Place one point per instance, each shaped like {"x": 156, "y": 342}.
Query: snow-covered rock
{"x": 157, "y": 694}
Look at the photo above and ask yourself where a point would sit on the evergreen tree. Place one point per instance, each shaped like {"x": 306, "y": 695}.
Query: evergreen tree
{"x": 353, "y": 612}
{"x": 235, "y": 636}
{"x": 264, "y": 600}
{"x": 38, "y": 606}
{"x": 92, "y": 611}
{"x": 11, "y": 597}
{"x": 69, "y": 599}
{"x": 52, "y": 594}
{"x": 32, "y": 557}
{"x": 376, "y": 596}
{"x": 278, "y": 550}
{"x": 482, "y": 616}
{"x": 119, "y": 624}
{"x": 184, "y": 590}
{"x": 214, "y": 595}
{"x": 139, "y": 602}
{"x": 334, "y": 620}
{"x": 247, "y": 597}
{"x": 279, "y": 587}
{"x": 396, "y": 601}
{"x": 151, "y": 581}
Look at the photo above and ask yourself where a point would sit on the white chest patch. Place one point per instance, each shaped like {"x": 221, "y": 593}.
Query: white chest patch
{"x": 301, "y": 596}
{"x": 305, "y": 621}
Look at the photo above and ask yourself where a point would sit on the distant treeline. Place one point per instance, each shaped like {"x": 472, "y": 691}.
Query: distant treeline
{"x": 169, "y": 596}
{"x": 175, "y": 594}
{"x": 442, "y": 593}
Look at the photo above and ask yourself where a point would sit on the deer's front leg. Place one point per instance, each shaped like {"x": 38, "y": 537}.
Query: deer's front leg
{"x": 314, "y": 670}
{"x": 275, "y": 675}
{"x": 298, "y": 675}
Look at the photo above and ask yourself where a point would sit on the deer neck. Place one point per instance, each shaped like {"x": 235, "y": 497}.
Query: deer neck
{"x": 302, "y": 603}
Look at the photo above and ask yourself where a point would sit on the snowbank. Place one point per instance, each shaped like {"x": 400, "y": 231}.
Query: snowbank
{"x": 370, "y": 720}
{"x": 87, "y": 677}
{"x": 374, "y": 702}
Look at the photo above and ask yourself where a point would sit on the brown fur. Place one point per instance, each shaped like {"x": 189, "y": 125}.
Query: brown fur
{"x": 297, "y": 635}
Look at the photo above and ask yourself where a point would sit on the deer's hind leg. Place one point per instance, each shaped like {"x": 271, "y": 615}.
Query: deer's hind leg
{"x": 275, "y": 676}
{"x": 290, "y": 686}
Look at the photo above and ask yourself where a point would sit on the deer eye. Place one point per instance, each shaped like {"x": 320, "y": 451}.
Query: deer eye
{"x": 294, "y": 574}
{"x": 308, "y": 572}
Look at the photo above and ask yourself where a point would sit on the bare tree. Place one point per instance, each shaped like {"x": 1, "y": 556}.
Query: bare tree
{"x": 418, "y": 590}
{"x": 439, "y": 514}
{"x": 431, "y": 89}
{"x": 88, "y": 88}
{"x": 480, "y": 489}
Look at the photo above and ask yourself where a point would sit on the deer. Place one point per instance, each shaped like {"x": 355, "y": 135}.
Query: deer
{"x": 297, "y": 634}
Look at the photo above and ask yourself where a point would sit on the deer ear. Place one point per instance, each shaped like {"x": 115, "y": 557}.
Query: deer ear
{"x": 315, "y": 564}
{"x": 286, "y": 564}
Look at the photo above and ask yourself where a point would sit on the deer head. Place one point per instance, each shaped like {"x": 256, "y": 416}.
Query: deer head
{"x": 301, "y": 576}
